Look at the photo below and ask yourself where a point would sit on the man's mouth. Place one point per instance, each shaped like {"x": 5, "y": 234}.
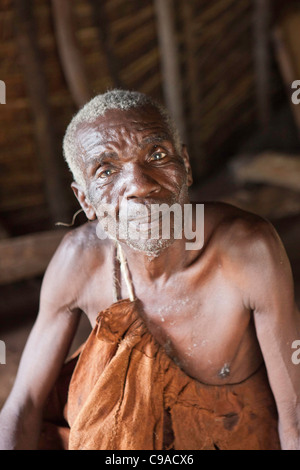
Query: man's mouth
{"x": 146, "y": 225}
{"x": 151, "y": 220}
{"x": 152, "y": 216}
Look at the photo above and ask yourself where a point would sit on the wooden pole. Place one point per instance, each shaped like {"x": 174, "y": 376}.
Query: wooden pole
{"x": 47, "y": 146}
{"x": 69, "y": 51}
{"x": 262, "y": 60}
{"x": 170, "y": 62}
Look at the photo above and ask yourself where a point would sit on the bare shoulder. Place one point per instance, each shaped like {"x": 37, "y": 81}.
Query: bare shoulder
{"x": 252, "y": 254}
{"x": 79, "y": 252}
{"x": 76, "y": 248}
{"x": 240, "y": 232}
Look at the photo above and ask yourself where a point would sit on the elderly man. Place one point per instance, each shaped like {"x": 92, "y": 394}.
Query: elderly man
{"x": 192, "y": 348}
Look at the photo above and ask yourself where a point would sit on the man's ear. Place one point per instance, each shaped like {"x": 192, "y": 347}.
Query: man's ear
{"x": 187, "y": 165}
{"x": 83, "y": 201}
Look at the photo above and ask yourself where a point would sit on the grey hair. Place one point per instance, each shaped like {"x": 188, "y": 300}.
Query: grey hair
{"x": 97, "y": 106}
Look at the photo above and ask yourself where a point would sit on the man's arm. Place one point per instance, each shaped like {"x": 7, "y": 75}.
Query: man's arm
{"x": 269, "y": 293}
{"x": 44, "y": 354}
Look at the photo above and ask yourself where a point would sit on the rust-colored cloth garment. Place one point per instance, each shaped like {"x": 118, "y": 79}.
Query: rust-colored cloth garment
{"x": 127, "y": 394}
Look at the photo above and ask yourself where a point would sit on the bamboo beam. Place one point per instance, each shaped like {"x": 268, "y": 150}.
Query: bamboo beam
{"x": 27, "y": 256}
{"x": 69, "y": 51}
{"x": 164, "y": 10}
{"x": 35, "y": 80}
{"x": 271, "y": 168}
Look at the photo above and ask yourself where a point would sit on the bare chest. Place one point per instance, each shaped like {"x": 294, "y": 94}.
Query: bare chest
{"x": 213, "y": 342}
{"x": 211, "y": 337}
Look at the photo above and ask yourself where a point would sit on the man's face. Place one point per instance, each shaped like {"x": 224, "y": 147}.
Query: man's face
{"x": 130, "y": 156}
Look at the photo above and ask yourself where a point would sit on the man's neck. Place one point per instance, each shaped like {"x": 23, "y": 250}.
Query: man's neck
{"x": 152, "y": 268}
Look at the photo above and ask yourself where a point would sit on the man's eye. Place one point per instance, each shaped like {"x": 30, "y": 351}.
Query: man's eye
{"x": 106, "y": 173}
{"x": 158, "y": 156}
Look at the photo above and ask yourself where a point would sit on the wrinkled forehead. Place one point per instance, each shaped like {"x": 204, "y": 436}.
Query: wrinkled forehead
{"x": 119, "y": 127}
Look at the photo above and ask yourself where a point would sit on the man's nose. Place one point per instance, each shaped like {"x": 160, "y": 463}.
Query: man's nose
{"x": 140, "y": 183}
